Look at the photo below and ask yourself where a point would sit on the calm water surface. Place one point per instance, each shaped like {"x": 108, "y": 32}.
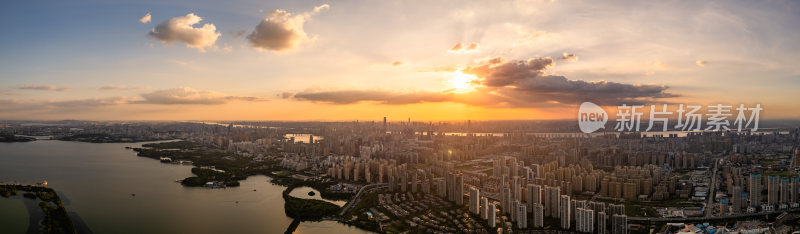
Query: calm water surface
{"x": 97, "y": 181}
{"x": 302, "y": 192}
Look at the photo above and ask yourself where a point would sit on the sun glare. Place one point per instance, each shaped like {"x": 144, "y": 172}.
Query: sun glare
{"x": 460, "y": 82}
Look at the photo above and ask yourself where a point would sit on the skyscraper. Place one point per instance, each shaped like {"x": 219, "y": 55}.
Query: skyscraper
{"x": 534, "y": 194}
{"x": 584, "y": 220}
{"x": 514, "y": 209}
{"x": 538, "y": 215}
{"x": 795, "y": 186}
{"x": 506, "y": 200}
{"x": 564, "y": 211}
{"x": 755, "y": 190}
{"x": 414, "y": 179}
{"x": 460, "y": 189}
{"x": 736, "y": 199}
{"x": 551, "y": 201}
{"x": 491, "y": 221}
{"x": 773, "y": 190}
{"x": 474, "y": 200}
{"x": 602, "y": 225}
{"x": 484, "y": 210}
{"x": 522, "y": 216}
{"x": 515, "y": 188}
{"x": 619, "y": 224}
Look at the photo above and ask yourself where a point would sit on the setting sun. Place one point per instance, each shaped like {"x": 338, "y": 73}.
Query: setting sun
{"x": 461, "y": 83}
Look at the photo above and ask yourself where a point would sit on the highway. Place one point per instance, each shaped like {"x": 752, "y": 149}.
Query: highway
{"x": 678, "y": 220}
{"x": 712, "y": 189}
{"x": 356, "y": 198}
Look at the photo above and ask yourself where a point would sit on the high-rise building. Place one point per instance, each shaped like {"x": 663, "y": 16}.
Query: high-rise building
{"x": 514, "y": 205}
{"x": 505, "y": 202}
{"x": 630, "y": 191}
{"x": 597, "y": 207}
{"x": 414, "y": 178}
{"x": 538, "y": 215}
{"x": 584, "y": 220}
{"x": 619, "y": 224}
{"x": 795, "y": 186}
{"x": 564, "y": 211}
{"x": 534, "y": 194}
{"x": 441, "y": 188}
{"x": 737, "y": 199}
{"x": 460, "y": 189}
{"x": 773, "y": 190}
{"x": 616, "y": 209}
{"x": 785, "y": 191}
{"x": 723, "y": 206}
{"x": 602, "y": 225}
{"x": 551, "y": 198}
{"x": 484, "y": 208}
{"x": 522, "y": 216}
{"x": 755, "y": 190}
{"x": 474, "y": 200}
{"x": 403, "y": 180}
{"x": 515, "y": 188}
{"x": 492, "y": 220}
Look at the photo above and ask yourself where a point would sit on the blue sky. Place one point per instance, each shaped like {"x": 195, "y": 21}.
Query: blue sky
{"x": 367, "y": 59}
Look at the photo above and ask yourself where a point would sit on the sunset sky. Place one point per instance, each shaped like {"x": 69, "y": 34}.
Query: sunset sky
{"x": 427, "y": 60}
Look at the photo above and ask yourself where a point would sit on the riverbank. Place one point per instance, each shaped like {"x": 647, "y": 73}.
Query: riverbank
{"x": 108, "y": 138}
{"x": 100, "y": 178}
{"x": 55, "y": 220}
{"x": 15, "y": 138}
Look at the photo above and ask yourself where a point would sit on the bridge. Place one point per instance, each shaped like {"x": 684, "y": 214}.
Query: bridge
{"x": 691, "y": 219}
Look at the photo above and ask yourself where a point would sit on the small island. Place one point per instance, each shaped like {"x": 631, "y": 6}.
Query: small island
{"x": 108, "y": 138}
{"x": 14, "y": 138}
{"x": 56, "y": 219}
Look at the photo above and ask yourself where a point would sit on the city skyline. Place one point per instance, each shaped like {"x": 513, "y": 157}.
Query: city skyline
{"x": 347, "y": 60}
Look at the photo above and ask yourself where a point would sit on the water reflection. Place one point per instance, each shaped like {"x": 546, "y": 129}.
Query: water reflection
{"x": 99, "y": 180}
{"x": 306, "y": 193}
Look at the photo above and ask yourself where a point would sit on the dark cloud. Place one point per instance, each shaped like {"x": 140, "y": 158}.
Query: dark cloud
{"x": 119, "y": 87}
{"x": 507, "y": 84}
{"x": 378, "y": 96}
{"x": 497, "y": 73}
{"x": 238, "y": 34}
{"x": 64, "y": 106}
{"x": 191, "y": 96}
{"x": 44, "y": 88}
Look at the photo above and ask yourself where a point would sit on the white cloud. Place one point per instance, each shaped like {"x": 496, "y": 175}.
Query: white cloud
{"x": 569, "y": 57}
{"x": 145, "y": 19}
{"x": 179, "y": 29}
{"x": 282, "y": 31}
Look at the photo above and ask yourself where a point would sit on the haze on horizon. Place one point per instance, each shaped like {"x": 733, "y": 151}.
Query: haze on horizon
{"x": 345, "y": 60}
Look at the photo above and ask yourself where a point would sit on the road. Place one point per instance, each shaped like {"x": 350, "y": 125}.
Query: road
{"x": 678, "y": 220}
{"x": 356, "y": 198}
{"x": 712, "y": 189}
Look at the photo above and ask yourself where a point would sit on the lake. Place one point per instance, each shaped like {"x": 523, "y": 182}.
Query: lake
{"x": 115, "y": 191}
